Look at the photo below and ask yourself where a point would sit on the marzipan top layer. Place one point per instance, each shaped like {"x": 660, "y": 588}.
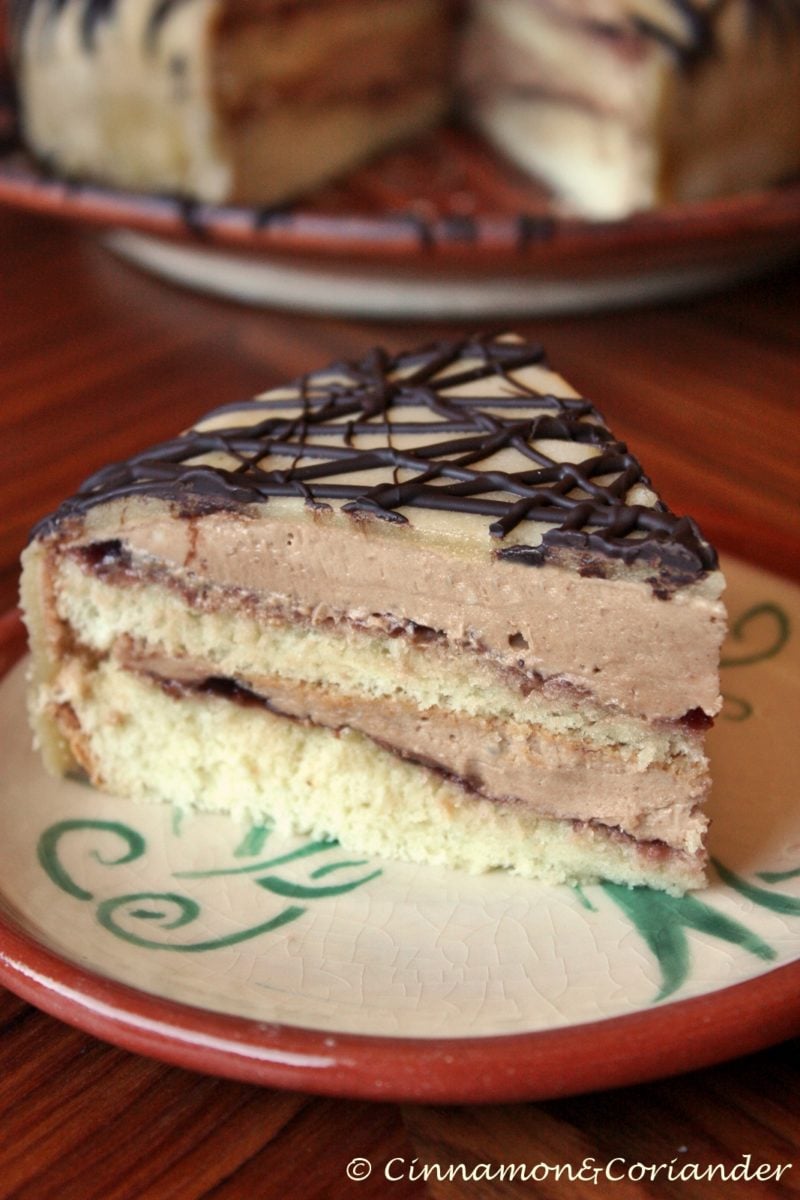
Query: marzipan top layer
{"x": 475, "y": 440}
{"x": 465, "y": 488}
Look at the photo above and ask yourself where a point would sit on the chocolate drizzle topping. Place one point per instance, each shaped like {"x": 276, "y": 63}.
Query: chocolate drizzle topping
{"x": 688, "y": 30}
{"x": 692, "y": 38}
{"x": 311, "y": 446}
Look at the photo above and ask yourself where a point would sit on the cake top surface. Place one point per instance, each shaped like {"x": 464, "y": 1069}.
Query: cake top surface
{"x": 685, "y": 27}
{"x": 689, "y": 27}
{"x": 475, "y": 439}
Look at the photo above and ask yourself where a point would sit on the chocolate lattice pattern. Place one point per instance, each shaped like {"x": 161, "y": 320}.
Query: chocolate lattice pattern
{"x": 309, "y": 443}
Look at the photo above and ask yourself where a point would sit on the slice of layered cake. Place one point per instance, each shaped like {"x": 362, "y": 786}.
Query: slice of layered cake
{"x": 239, "y": 101}
{"x": 427, "y": 604}
{"x": 622, "y": 105}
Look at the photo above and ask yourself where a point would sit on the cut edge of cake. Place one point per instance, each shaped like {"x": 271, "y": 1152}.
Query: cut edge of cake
{"x": 426, "y": 604}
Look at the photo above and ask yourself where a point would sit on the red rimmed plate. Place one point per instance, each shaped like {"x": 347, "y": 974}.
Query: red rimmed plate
{"x": 297, "y": 964}
{"x": 440, "y": 228}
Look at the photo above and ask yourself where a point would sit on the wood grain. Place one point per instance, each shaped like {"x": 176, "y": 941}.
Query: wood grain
{"x": 97, "y": 360}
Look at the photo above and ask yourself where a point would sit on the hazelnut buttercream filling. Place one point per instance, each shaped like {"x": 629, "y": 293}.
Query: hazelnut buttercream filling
{"x": 497, "y": 730}
{"x": 428, "y": 604}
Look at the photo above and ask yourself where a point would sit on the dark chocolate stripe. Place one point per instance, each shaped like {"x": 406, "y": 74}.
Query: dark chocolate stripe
{"x": 315, "y": 442}
{"x": 698, "y": 39}
{"x": 695, "y": 41}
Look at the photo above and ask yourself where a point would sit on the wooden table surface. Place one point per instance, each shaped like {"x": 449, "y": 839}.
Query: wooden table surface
{"x": 97, "y": 361}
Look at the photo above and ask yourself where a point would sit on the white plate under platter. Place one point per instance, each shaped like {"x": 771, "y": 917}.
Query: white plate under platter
{"x": 350, "y": 290}
{"x": 300, "y": 964}
{"x": 439, "y": 228}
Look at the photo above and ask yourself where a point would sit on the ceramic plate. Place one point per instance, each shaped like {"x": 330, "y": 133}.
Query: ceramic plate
{"x": 298, "y": 963}
{"x": 439, "y": 228}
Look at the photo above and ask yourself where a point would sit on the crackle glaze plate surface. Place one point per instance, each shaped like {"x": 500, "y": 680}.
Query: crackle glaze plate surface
{"x": 298, "y": 963}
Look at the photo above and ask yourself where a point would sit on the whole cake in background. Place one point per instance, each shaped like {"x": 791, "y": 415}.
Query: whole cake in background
{"x": 622, "y": 105}
{"x": 424, "y": 603}
{"x": 617, "y": 105}
{"x": 244, "y": 101}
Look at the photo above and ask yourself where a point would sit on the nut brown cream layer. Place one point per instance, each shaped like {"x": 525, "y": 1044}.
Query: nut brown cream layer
{"x": 462, "y": 496}
{"x": 505, "y": 733}
{"x": 466, "y": 488}
{"x": 555, "y": 776}
{"x": 612, "y": 639}
{"x": 382, "y": 804}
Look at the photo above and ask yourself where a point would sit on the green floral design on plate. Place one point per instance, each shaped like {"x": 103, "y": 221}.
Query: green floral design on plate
{"x": 168, "y": 911}
{"x": 662, "y": 921}
{"x": 778, "y": 902}
{"x": 767, "y": 638}
{"x": 758, "y": 634}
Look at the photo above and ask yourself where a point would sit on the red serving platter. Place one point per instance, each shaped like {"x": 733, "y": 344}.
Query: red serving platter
{"x": 443, "y": 208}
